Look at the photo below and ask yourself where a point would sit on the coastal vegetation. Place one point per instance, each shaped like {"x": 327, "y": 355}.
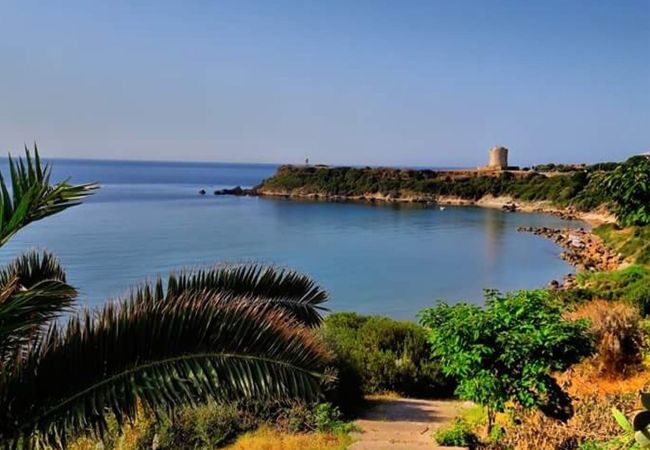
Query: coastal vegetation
{"x": 581, "y": 188}
{"x": 628, "y": 188}
{"x": 223, "y": 334}
{"x": 377, "y": 355}
{"x": 242, "y": 357}
{"x": 508, "y": 350}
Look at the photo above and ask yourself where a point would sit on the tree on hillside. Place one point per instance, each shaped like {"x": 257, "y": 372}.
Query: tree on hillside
{"x": 628, "y": 186}
{"x": 508, "y": 350}
{"x": 223, "y": 333}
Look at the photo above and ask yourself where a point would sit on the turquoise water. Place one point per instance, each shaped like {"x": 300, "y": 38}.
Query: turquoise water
{"x": 148, "y": 219}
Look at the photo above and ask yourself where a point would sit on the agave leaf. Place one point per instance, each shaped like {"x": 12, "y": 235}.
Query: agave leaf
{"x": 621, "y": 420}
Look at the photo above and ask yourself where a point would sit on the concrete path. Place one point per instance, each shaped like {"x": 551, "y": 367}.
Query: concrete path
{"x": 403, "y": 424}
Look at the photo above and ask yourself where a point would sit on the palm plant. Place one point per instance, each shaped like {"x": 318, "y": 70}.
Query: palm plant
{"x": 224, "y": 333}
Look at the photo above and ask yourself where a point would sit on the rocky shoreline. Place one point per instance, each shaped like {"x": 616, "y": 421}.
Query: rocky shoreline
{"x": 582, "y": 249}
{"x": 508, "y": 204}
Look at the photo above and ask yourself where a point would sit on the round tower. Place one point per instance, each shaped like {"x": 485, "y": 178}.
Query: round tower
{"x": 498, "y": 158}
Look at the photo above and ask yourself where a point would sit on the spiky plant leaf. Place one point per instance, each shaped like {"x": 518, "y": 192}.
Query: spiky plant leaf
{"x": 33, "y": 291}
{"x": 278, "y": 288}
{"x": 31, "y": 196}
{"x": 162, "y": 354}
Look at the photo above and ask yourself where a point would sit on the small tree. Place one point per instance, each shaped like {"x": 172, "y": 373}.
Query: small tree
{"x": 508, "y": 350}
{"x": 628, "y": 187}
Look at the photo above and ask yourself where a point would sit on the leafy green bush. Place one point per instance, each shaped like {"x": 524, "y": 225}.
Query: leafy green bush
{"x": 458, "y": 434}
{"x": 206, "y": 426}
{"x": 508, "y": 350}
{"x": 628, "y": 186}
{"x": 328, "y": 418}
{"x": 380, "y": 354}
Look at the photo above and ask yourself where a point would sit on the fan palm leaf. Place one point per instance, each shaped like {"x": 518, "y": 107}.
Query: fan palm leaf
{"x": 284, "y": 289}
{"x": 162, "y": 354}
{"x": 30, "y": 197}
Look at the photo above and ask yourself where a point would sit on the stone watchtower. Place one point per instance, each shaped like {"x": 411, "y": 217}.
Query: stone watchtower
{"x": 498, "y": 158}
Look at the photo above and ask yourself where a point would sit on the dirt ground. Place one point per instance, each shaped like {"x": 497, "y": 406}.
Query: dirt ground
{"x": 403, "y": 424}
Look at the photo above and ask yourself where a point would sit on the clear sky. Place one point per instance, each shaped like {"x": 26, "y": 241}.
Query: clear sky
{"x": 344, "y": 82}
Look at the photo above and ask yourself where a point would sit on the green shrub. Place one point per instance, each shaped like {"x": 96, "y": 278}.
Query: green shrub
{"x": 328, "y": 419}
{"x": 383, "y": 354}
{"x": 508, "y": 350}
{"x": 458, "y": 434}
{"x": 628, "y": 186}
{"x": 631, "y": 285}
{"x": 202, "y": 427}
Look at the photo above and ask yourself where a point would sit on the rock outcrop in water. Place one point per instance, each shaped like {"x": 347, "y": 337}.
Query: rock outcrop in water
{"x": 237, "y": 190}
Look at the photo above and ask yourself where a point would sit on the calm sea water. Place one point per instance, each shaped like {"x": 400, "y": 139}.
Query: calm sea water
{"x": 148, "y": 219}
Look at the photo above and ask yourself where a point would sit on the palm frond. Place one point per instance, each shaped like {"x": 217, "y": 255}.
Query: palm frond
{"x": 33, "y": 292}
{"x": 31, "y": 197}
{"x": 285, "y": 289}
{"x": 162, "y": 354}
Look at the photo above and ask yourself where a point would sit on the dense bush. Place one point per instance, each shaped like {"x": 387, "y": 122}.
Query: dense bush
{"x": 628, "y": 186}
{"x": 458, "y": 434}
{"x": 508, "y": 350}
{"x": 618, "y": 334}
{"x": 379, "y": 354}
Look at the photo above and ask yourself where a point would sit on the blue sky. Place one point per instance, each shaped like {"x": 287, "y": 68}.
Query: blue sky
{"x": 348, "y": 82}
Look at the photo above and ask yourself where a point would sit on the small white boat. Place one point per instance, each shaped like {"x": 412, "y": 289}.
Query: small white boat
{"x": 442, "y": 208}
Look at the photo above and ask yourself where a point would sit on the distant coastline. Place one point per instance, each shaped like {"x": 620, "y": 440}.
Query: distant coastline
{"x": 571, "y": 193}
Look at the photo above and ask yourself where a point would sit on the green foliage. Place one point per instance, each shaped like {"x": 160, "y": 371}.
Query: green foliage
{"x": 508, "y": 350}
{"x": 383, "y": 355}
{"x": 631, "y": 285}
{"x": 639, "y": 428}
{"x": 202, "y": 427}
{"x": 581, "y": 189}
{"x": 214, "y": 425}
{"x": 628, "y": 186}
{"x": 31, "y": 197}
{"x": 458, "y": 434}
{"x": 328, "y": 418}
{"x": 295, "y": 293}
{"x": 33, "y": 292}
{"x": 631, "y": 242}
{"x": 160, "y": 354}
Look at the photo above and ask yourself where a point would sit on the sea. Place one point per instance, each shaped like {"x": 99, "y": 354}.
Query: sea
{"x": 148, "y": 219}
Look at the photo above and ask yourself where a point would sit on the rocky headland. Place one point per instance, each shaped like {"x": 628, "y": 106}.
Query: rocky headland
{"x": 571, "y": 195}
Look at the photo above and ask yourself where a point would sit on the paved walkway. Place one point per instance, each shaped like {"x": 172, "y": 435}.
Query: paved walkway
{"x": 403, "y": 424}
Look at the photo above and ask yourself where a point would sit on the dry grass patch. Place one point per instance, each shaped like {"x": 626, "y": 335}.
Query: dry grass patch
{"x": 619, "y": 338}
{"x": 268, "y": 439}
